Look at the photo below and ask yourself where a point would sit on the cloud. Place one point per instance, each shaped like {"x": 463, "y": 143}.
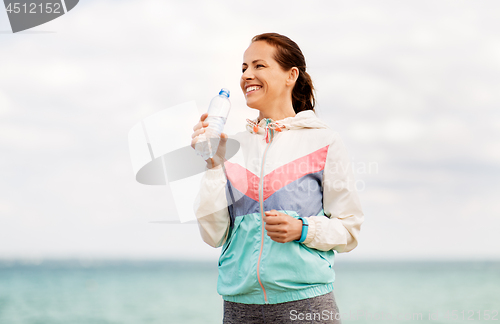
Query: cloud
{"x": 5, "y": 104}
{"x": 411, "y": 86}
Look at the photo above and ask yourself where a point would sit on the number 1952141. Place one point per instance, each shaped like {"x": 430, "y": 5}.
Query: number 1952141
{"x": 34, "y": 8}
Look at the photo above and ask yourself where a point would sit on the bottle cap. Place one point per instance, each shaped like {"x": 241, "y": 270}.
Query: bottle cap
{"x": 224, "y": 92}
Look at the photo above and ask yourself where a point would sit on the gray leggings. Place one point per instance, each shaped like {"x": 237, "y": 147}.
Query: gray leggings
{"x": 320, "y": 309}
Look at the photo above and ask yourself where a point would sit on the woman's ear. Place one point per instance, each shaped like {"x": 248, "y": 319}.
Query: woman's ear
{"x": 293, "y": 75}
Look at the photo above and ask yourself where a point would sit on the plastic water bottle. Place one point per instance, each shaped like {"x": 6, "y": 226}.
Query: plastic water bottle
{"x": 217, "y": 115}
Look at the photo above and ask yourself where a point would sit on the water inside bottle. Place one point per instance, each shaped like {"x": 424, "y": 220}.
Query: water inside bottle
{"x": 208, "y": 148}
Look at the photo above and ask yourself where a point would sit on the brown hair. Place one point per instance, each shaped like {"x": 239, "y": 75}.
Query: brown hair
{"x": 289, "y": 55}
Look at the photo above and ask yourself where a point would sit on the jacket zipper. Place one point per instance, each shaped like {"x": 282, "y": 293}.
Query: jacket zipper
{"x": 261, "y": 201}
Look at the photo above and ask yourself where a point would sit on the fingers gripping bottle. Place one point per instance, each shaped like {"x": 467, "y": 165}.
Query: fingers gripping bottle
{"x": 208, "y": 142}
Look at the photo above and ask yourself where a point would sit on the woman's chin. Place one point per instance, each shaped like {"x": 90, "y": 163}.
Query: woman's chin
{"x": 252, "y": 104}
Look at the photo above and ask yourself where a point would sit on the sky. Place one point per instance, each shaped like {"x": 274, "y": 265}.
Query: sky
{"x": 412, "y": 87}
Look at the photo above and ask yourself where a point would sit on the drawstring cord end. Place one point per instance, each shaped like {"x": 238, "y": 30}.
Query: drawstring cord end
{"x": 270, "y": 126}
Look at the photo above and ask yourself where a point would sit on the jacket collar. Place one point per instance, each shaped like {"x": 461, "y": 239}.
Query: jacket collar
{"x": 267, "y": 126}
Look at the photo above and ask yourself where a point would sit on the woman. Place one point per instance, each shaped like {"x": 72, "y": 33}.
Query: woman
{"x": 284, "y": 203}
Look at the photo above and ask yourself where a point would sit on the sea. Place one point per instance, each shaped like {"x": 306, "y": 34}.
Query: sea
{"x": 183, "y": 292}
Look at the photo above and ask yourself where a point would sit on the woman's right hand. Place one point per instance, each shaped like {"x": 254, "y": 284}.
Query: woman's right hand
{"x": 219, "y": 156}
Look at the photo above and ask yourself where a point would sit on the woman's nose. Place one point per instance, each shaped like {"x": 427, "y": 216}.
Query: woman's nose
{"x": 247, "y": 75}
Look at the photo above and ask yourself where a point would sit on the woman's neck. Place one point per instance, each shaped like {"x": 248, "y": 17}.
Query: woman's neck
{"x": 276, "y": 114}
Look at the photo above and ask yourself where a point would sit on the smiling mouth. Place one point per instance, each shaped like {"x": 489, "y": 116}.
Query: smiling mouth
{"x": 252, "y": 89}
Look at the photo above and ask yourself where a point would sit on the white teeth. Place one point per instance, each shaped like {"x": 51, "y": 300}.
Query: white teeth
{"x": 252, "y": 88}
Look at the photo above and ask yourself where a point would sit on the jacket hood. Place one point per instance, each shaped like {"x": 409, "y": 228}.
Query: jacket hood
{"x": 304, "y": 119}
{"x": 267, "y": 126}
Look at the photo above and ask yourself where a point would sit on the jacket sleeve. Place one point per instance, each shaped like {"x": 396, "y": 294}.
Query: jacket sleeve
{"x": 340, "y": 229}
{"x": 211, "y": 208}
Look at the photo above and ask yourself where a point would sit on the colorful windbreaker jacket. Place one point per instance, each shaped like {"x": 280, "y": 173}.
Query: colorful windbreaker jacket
{"x": 297, "y": 166}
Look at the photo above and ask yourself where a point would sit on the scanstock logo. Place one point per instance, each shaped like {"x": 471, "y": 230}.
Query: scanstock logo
{"x": 28, "y": 14}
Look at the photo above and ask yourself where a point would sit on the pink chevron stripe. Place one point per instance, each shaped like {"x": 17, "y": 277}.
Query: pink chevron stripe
{"x": 294, "y": 170}
{"x": 248, "y": 184}
{"x": 274, "y": 181}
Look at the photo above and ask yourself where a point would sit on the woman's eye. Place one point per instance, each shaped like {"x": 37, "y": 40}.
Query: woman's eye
{"x": 259, "y": 65}
{"x": 243, "y": 70}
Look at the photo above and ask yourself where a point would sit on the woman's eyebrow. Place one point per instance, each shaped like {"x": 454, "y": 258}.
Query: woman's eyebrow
{"x": 255, "y": 61}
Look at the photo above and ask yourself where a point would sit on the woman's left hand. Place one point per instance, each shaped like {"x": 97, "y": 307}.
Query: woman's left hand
{"x": 281, "y": 227}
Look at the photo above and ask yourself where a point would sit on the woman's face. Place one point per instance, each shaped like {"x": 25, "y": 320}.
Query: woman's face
{"x": 264, "y": 83}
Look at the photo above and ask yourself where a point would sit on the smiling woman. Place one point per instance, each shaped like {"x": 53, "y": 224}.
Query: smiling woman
{"x": 270, "y": 62}
{"x": 285, "y": 202}
{"x": 288, "y": 55}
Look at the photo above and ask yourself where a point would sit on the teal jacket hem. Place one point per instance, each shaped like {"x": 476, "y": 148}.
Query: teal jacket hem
{"x": 283, "y": 297}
